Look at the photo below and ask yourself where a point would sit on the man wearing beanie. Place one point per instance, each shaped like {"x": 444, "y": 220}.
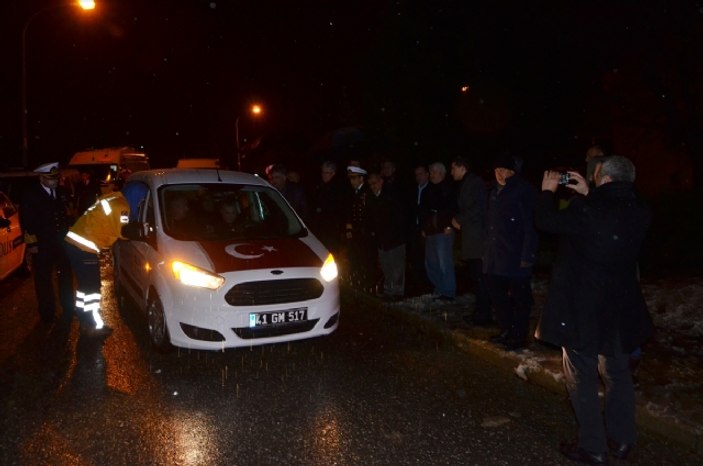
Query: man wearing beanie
{"x": 510, "y": 251}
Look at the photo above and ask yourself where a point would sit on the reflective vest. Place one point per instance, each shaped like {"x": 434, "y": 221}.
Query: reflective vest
{"x": 101, "y": 225}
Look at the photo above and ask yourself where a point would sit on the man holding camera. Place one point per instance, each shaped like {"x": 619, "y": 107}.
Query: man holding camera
{"x": 595, "y": 309}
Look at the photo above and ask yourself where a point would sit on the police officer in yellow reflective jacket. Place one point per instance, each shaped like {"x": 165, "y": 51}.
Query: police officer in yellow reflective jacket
{"x": 98, "y": 228}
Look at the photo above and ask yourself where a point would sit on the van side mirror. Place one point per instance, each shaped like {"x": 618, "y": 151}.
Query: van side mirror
{"x": 133, "y": 231}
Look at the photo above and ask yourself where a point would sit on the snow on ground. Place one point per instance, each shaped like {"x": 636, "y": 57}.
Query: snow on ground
{"x": 676, "y": 308}
{"x": 669, "y": 379}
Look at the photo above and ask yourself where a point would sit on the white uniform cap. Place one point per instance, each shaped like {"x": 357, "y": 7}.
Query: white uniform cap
{"x": 48, "y": 169}
{"x": 355, "y": 169}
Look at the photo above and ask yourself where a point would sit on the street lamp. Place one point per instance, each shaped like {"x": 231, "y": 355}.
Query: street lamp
{"x": 255, "y": 110}
{"x": 83, "y": 4}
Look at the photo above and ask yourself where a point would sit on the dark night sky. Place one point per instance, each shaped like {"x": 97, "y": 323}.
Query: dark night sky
{"x": 173, "y": 76}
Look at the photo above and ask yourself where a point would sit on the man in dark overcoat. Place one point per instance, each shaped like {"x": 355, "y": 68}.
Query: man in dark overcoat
{"x": 595, "y": 310}
{"x": 384, "y": 215}
{"x": 329, "y": 200}
{"x": 470, "y": 221}
{"x": 45, "y": 222}
{"x": 510, "y": 251}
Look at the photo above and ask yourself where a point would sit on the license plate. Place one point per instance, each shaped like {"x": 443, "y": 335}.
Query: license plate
{"x": 262, "y": 319}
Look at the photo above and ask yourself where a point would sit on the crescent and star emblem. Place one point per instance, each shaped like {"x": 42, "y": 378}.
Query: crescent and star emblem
{"x": 232, "y": 251}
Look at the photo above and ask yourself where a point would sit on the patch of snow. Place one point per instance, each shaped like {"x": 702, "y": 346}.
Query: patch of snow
{"x": 678, "y": 309}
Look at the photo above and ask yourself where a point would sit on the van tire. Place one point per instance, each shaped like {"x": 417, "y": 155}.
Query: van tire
{"x": 120, "y": 293}
{"x": 158, "y": 330}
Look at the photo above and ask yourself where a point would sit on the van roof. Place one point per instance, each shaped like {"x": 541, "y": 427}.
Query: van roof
{"x": 160, "y": 177}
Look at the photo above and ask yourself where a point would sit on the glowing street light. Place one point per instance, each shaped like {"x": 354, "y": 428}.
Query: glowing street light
{"x": 84, "y": 5}
{"x": 256, "y": 110}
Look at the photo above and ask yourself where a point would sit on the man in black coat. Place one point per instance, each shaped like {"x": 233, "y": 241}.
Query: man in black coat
{"x": 384, "y": 215}
{"x": 330, "y": 198}
{"x": 510, "y": 251}
{"x": 45, "y": 223}
{"x": 595, "y": 310}
{"x": 417, "y": 214}
{"x": 439, "y": 234}
{"x": 470, "y": 221}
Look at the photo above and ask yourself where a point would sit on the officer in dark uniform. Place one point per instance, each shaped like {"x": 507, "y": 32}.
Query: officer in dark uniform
{"x": 45, "y": 222}
{"x": 360, "y": 249}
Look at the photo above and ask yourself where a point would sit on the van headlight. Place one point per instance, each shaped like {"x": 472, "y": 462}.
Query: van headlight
{"x": 194, "y": 276}
{"x": 329, "y": 269}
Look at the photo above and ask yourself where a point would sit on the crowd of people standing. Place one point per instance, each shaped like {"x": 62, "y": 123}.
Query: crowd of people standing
{"x": 595, "y": 310}
{"x": 397, "y": 240}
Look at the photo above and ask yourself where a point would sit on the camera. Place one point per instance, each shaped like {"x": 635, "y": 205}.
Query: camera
{"x": 564, "y": 178}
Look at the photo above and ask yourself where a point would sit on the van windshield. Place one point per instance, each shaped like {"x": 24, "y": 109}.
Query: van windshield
{"x": 195, "y": 212}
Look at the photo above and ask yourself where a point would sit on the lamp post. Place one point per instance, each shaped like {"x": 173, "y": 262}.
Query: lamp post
{"x": 255, "y": 110}
{"x": 83, "y": 4}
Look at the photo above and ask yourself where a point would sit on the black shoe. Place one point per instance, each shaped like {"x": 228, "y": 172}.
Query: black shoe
{"x": 619, "y": 450}
{"x": 574, "y": 453}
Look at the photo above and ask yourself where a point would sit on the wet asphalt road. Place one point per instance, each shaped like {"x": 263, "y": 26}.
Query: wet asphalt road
{"x": 375, "y": 392}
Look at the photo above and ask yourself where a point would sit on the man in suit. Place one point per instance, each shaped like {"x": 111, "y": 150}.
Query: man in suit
{"x": 45, "y": 222}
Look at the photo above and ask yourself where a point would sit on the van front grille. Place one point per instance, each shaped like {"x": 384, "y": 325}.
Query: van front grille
{"x": 274, "y": 292}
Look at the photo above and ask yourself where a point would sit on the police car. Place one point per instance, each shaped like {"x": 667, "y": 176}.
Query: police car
{"x": 219, "y": 259}
{"x": 12, "y": 247}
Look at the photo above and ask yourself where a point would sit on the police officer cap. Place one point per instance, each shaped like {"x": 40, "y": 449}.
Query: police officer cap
{"x": 356, "y": 170}
{"x": 48, "y": 169}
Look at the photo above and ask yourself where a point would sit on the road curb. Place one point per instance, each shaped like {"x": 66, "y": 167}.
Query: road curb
{"x": 657, "y": 420}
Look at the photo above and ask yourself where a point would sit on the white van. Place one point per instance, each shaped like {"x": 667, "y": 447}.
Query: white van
{"x": 219, "y": 259}
{"x": 109, "y": 166}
